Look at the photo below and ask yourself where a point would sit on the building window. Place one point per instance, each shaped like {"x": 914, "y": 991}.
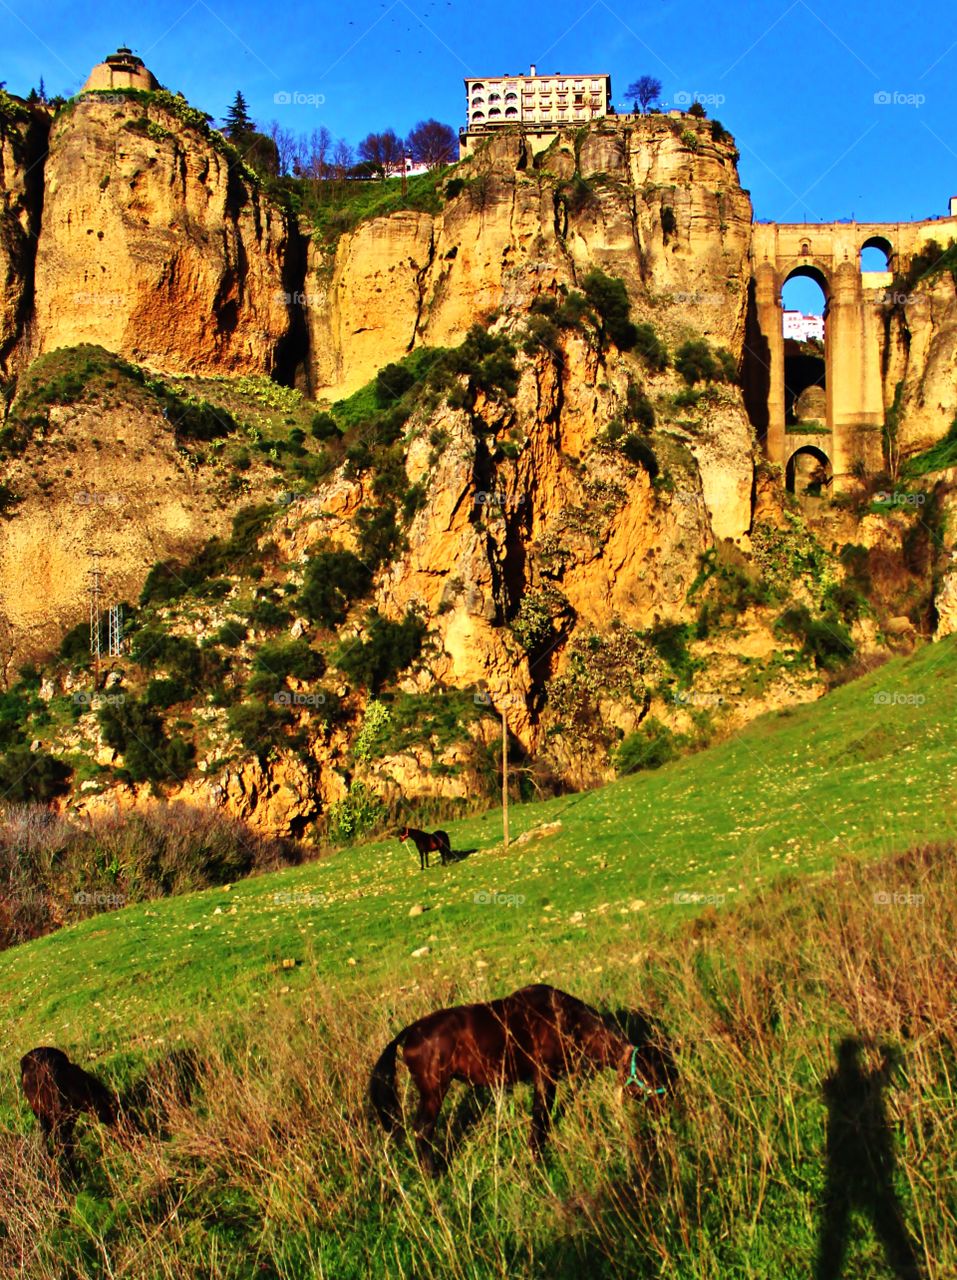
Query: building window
{"x": 511, "y": 112}
{"x": 476, "y": 85}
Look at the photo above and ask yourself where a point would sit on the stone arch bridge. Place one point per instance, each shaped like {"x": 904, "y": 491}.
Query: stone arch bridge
{"x": 855, "y": 397}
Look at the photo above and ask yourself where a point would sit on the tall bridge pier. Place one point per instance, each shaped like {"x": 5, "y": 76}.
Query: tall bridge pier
{"x": 850, "y": 436}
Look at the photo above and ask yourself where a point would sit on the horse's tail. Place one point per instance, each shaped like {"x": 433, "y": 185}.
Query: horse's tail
{"x": 382, "y": 1090}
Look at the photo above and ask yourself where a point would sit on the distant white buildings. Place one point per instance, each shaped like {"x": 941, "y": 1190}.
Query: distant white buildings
{"x": 803, "y": 328}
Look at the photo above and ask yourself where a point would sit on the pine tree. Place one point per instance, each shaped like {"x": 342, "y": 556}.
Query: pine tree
{"x": 42, "y": 91}
{"x": 237, "y": 121}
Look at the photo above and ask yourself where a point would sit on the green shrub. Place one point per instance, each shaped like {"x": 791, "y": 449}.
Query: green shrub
{"x": 136, "y": 731}
{"x": 230, "y": 635}
{"x": 275, "y": 662}
{"x": 324, "y": 427}
{"x": 670, "y": 640}
{"x": 826, "y": 641}
{"x": 356, "y": 815}
{"x": 32, "y": 777}
{"x": 392, "y": 382}
{"x": 650, "y": 748}
{"x": 649, "y": 346}
{"x": 163, "y": 693}
{"x": 389, "y": 649}
{"x": 640, "y": 452}
{"x": 609, "y": 297}
{"x": 333, "y": 579}
{"x": 75, "y": 645}
{"x": 170, "y": 580}
{"x": 695, "y": 362}
{"x": 638, "y": 408}
{"x": 180, "y": 657}
{"x": 259, "y": 725}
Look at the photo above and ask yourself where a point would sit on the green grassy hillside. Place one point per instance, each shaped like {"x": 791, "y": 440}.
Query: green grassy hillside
{"x": 705, "y": 891}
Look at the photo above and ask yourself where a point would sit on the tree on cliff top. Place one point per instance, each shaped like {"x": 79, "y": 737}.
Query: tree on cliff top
{"x": 238, "y": 122}
{"x": 432, "y": 143}
{"x": 643, "y": 92}
{"x": 383, "y": 151}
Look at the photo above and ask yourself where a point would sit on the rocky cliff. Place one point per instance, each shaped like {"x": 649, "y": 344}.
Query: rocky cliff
{"x": 920, "y": 374}
{"x": 157, "y": 244}
{"x": 655, "y": 202}
{"x": 585, "y": 541}
{"x": 23, "y": 142}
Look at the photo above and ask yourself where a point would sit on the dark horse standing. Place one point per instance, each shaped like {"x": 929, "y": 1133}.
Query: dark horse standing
{"x": 58, "y": 1091}
{"x": 537, "y": 1034}
{"x": 428, "y": 842}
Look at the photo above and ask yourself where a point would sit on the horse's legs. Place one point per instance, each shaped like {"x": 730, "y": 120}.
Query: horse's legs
{"x": 430, "y": 1104}
{"x": 541, "y": 1113}
{"x": 423, "y": 859}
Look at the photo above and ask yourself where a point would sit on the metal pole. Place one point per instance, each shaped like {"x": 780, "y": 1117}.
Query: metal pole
{"x": 95, "y": 618}
{"x": 505, "y": 778}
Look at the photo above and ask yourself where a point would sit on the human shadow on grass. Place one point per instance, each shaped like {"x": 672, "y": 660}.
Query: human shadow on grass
{"x": 860, "y": 1165}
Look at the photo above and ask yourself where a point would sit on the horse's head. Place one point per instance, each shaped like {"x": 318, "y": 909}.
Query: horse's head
{"x": 105, "y": 1103}
{"x": 402, "y": 833}
{"x": 647, "y": 1072}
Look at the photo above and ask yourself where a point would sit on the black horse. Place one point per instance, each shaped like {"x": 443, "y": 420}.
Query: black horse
{"x": 58, "y": 1091}
{"x": 428, "y": 842}
{"x": 537, "y": 1034}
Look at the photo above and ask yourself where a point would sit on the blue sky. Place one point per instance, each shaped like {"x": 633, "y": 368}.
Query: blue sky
{"x": 803, "y": 86}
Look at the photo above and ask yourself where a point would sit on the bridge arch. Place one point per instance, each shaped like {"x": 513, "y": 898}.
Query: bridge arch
{"x": 878, "y": 254}
{"x": 810, "y": 270}
{"x": 808, "y": 470}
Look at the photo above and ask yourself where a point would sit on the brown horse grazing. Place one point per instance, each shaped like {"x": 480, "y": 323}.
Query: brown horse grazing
{"x": 537, "y": 1034}
{"x": 58, "y": 1091}
{"x": 428, "y": 842}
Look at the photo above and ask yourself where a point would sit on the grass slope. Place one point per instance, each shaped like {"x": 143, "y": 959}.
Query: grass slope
{"x": 869, "y": 770}
{"x": 272, "y": 1170}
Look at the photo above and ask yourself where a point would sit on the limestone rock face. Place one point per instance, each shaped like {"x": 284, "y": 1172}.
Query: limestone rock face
{"x": 110, "y": 479}
{"x": 23, "y": 141}
{"x": 922, "y": 358}
{"x": 671, "y": 221}
{"x": 154, "y": 247}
